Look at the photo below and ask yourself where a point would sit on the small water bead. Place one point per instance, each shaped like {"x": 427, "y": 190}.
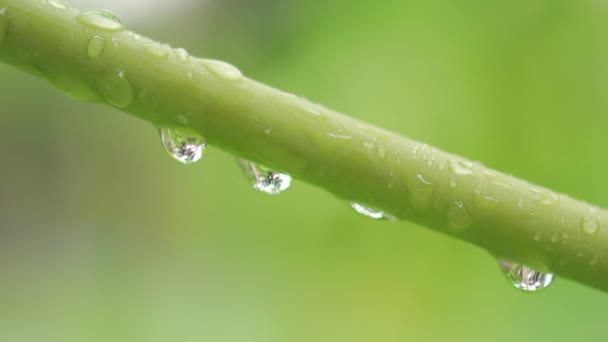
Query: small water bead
{"x": 265, "y": 179}
{"x": 136, "y": 37}
{"x": 340, "y": 136}
{"x": 156, "y": 50}
{"x": 95, "y": 47}
{"x": 229, "y": 72}
{"x": 461, "y": 167}
{"x": 115, "y": 87}
{"x": 182, "y": 54}
{"x": 452, "y": 182}
{"x": 369, "y": 145}
{"x": 371, "y": 213}
{"x": 483, "y": 201}
{"x": 58, "y": 4}
{"x": 382, "y": 151}
{"x": 458, "y": 216}
{"x": 101, "y": 19}
{"x": 181, "y": 120}
{"x": 544, "y": 197}
{"x": 183, "y": 146}
{"x": 525, "y": 278}
{"x": 423, "y": 180}
{"x": 589, "y": 225}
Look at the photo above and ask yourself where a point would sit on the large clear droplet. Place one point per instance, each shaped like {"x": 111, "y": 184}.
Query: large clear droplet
{"x": 371, "y": 212}
{"x": 525, "y": 278}
{"x": 185, "y": 147}
{"x": 265, "y": 179}
{"x": 101, "y": 19}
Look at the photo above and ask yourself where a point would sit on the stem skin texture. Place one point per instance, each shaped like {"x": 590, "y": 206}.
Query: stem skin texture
{"x": 98, "y": 61}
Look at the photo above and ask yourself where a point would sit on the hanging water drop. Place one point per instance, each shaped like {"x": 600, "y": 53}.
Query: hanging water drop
{"x": 265, "y": 179}
{"x": 372, "y": 213}
{"x": 222, "y": 69}
{"x": 525, "y": 278}
{"x": 58, "y": 4}
{"x": 115, "y": 87}
{"x": 101, "y": 19}
{"x": 95, "y": 47}
{"x": 182, "y": 146}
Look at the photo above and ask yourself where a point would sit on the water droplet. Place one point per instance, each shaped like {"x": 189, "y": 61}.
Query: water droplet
{"x": 452, "y": 182}
{"x": 554, "y": 237}
{"x": 156, "y": 51}
{"x": 95, "y": 47}
{"x": 227, "y": 71}
{"x": 58, "y": 4}
{"x": 115, "y": 87}
{"x": 340, "y": 136}
{"x": 525, "y": 278}
{"x": 368, "y": 144}
{"x": 382, "y": 151}
{"x": 372, "y": 213}
{"x": 544, "y": 197}
{"x": 458, "y": 216}
{"x": 183, "y": 146}
{"x": 538, "y": 235}
{"x": 589, "y": 225}
{"x": 181, "y": 120}
{"x": 461, "y": 167}
{"x": 483, "y": 201}
{"x": 265, "y": 179}
{"x": 136, "y": 37}
{"x": 182, "y": 54}
{"x": 101, "y": 19}
{"x": 423, "y": 180}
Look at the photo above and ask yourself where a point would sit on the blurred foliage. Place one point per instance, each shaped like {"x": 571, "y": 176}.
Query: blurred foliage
{"x": 105, "y": 238}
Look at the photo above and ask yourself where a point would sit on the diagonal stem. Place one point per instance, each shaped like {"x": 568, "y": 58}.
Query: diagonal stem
{"x": 97, "y": 60}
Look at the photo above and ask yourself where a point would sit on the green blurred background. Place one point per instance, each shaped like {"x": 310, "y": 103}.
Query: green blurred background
{"x": 104, "y": 238}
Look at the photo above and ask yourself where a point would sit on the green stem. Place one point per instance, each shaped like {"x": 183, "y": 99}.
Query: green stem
{"x": 358, "y": 162}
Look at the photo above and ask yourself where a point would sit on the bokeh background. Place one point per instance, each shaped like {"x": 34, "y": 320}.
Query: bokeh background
{"x": 104, "y": 238}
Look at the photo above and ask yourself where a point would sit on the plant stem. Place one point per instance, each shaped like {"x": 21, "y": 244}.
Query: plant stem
{"x": 358, "y": 162}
